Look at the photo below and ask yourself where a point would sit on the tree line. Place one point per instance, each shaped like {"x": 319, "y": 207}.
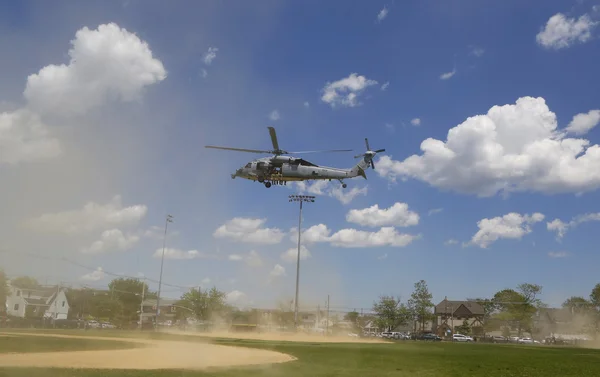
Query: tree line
{"x": 508, "y": 310}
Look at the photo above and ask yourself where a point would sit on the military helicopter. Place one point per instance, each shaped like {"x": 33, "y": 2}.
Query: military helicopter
{"x": 280, "y": 169}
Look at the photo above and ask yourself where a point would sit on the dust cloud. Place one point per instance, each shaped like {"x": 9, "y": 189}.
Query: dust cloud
{"x": 152, "y": 354}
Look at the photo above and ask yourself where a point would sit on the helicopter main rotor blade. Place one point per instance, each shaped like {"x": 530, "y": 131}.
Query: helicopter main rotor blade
{"x": 325, "y": 151}
{"x": 273, "y": 138}
{"x": 380, "y": 150}
{"x": 367, "y": 144}
{"x": 238, "y": 149}
{"x": 373, "y": 164}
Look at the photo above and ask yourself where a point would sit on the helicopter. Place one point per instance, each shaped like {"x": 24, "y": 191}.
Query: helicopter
{"x": 280, "y": 168}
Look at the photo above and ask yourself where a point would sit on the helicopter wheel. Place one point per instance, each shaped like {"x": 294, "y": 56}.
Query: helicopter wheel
{"x": 344, "y": 185}
{"x": 267, "y": 184}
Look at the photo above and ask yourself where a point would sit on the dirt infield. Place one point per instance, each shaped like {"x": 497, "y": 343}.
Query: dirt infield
{"x": 153, "y": 354}
{"x": 285, "y": 337}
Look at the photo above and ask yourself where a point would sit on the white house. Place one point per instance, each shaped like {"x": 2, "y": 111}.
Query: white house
{"x": 47, "y": 302}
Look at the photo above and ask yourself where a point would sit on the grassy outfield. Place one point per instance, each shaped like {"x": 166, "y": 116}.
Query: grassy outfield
{"x": 401, "y": 359}
{"x": 23, "y": 344}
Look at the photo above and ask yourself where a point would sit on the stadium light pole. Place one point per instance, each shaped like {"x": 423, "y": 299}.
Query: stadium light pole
{"x": 168, "y": 220}
{"x": 301, "y": 199}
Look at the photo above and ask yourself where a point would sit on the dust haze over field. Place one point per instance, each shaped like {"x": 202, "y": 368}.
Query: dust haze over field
{"x": 155, "y": 354}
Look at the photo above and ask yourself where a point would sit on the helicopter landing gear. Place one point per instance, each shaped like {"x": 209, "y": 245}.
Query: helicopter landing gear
{"x": 261, "y": 179}
{"x": 343, "y": 184}
{"x": 267, "y": 184}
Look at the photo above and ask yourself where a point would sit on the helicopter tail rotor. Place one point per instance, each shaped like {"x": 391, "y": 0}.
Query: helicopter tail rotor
{"x": 369, "y": 154}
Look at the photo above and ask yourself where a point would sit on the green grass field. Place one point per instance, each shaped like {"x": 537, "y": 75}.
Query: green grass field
{"x": 400, "y": 359}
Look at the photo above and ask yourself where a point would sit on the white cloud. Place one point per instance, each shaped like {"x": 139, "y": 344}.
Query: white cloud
{"x": 111, "y": 240}
{"x": 386, "y": 236}
{"x": 158, "y": 232}
{"x": 450, "y": 242}
{"x": 397, "y": 215}
{"x": 274, "y": 115}
{"x": 345, "y": 92}
{"x": 210, "y": 55}
{"x": 385, "y": 85}
{"x": 205, "y": 281}
{"x": 252, "y": 259}
{"x": 416, "y": 122}
{"x": 558, "y": 254}
{"x": 91, "y": 217}
{"x": 561, "y": 227}
{"x": 434, "y": 211}
{"x": 24, "y": 137}
{"x": 277, "y": 271}
{"x": 96, "y": 275}
{"x": 447, "y": 75}
{"x": 326, "y": 188}
{"x": 382, "y": 14}
{"x": 476, "y": 51}
{"x": 512, "y": 148}
{"x": 510, "y": 226}
{"x": 291, "y": 255}
{"x": 562, "y": 32}
{"x": 237, "y": 297}
{"x": 204, "y": 73}
{"x": 584, "y": 122}
{"x": 306, "y": 104}
{"x": 249, "y": 230}
{"x": 178, "y": 254}
{"x": 106, "y": 63}
{"x": 390, "y": 127}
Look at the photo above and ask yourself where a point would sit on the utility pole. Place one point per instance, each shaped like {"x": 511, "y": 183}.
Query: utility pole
{"x": 301, "y": 199}
{"x": 142, "y": 304}
{"x": 56, "y": 304}
{"x": 168, "y": 220}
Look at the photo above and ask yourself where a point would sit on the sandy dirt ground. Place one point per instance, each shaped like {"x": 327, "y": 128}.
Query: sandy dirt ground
{"x": 273, "y": 336}
{"x": 152, "y": 354}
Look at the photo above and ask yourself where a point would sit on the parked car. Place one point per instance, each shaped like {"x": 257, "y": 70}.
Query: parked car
{"x": 499, "y": 339}
{"x": 461, "y": 338}
{"x": 430, "y": 337}
{"x": 525, "y": 341}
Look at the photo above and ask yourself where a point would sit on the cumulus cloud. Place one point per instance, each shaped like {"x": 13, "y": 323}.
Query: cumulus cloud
{"x": 510, "y": 226}
{"x": 561, "y": 227}
{"x": 447, "y": 75}
{"x": 237, "y": 298}
{"x": 178, "y": 254}
{"x": 345, "y": 92}
{"x": 106, "y": 64}
{"x": 306, "y": 104}
{"x": 252, "y": 259}
{"x": 561, "y": 31}
{"x": 210, "y": 55}
{"x": 451, "y": 241}
{"x": 111, "y": 240}
{"x": 91, "y": 217}
{"x": 24, "y": 138}
{"x": 385, "y": 236}
{"x": 416, "y": 122}
{"x": 382, "y": 14}
{"x": 476, "y": 51}
{"x": 291, "y": 255}
{"x": 277, "y": 271}
{"x": 326, "y": 188}
{"x": 96, "y": 275}
{"x": 385, "y": 85}
{"x": 274, "y": 115}
{"x": 558, "y": 254}
{"x": 434, "y": 211}
{"x": 248, "y": 230}
{"x": 511, "y": 148}
{"x": 584, "y": 122}
{"x": 397, "y": 215}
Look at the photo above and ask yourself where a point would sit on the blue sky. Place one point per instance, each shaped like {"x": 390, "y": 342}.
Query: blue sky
{"x": 132, "y": 122}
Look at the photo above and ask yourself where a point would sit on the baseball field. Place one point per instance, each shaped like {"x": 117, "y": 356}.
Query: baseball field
{"x": 116, "y": 353}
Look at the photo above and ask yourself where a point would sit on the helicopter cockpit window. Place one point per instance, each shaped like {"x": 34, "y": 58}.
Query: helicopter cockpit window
{"x": 248, "y": 165}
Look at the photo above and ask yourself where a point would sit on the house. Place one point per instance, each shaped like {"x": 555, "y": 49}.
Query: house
{"x": 43, "y": 301}
{"x": 452, "y": 314}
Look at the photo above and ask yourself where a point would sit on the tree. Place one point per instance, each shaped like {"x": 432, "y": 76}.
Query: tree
{"x": 577, "y": 305}
{"x": 351, "y": 316}
{"x": 517, "y": 307}
{"x": 390, "y": 312}
{"x": 128, "y": 292}
{"x": 595, "y": 301}
{"x": 464, "y": 329}
{"x": 489, "y": 307}
{"x": 205, "y": 304}
{"x": 3, "y": 291}
{"x": 420, "y": 304}
{"x": 25, "y": 282}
